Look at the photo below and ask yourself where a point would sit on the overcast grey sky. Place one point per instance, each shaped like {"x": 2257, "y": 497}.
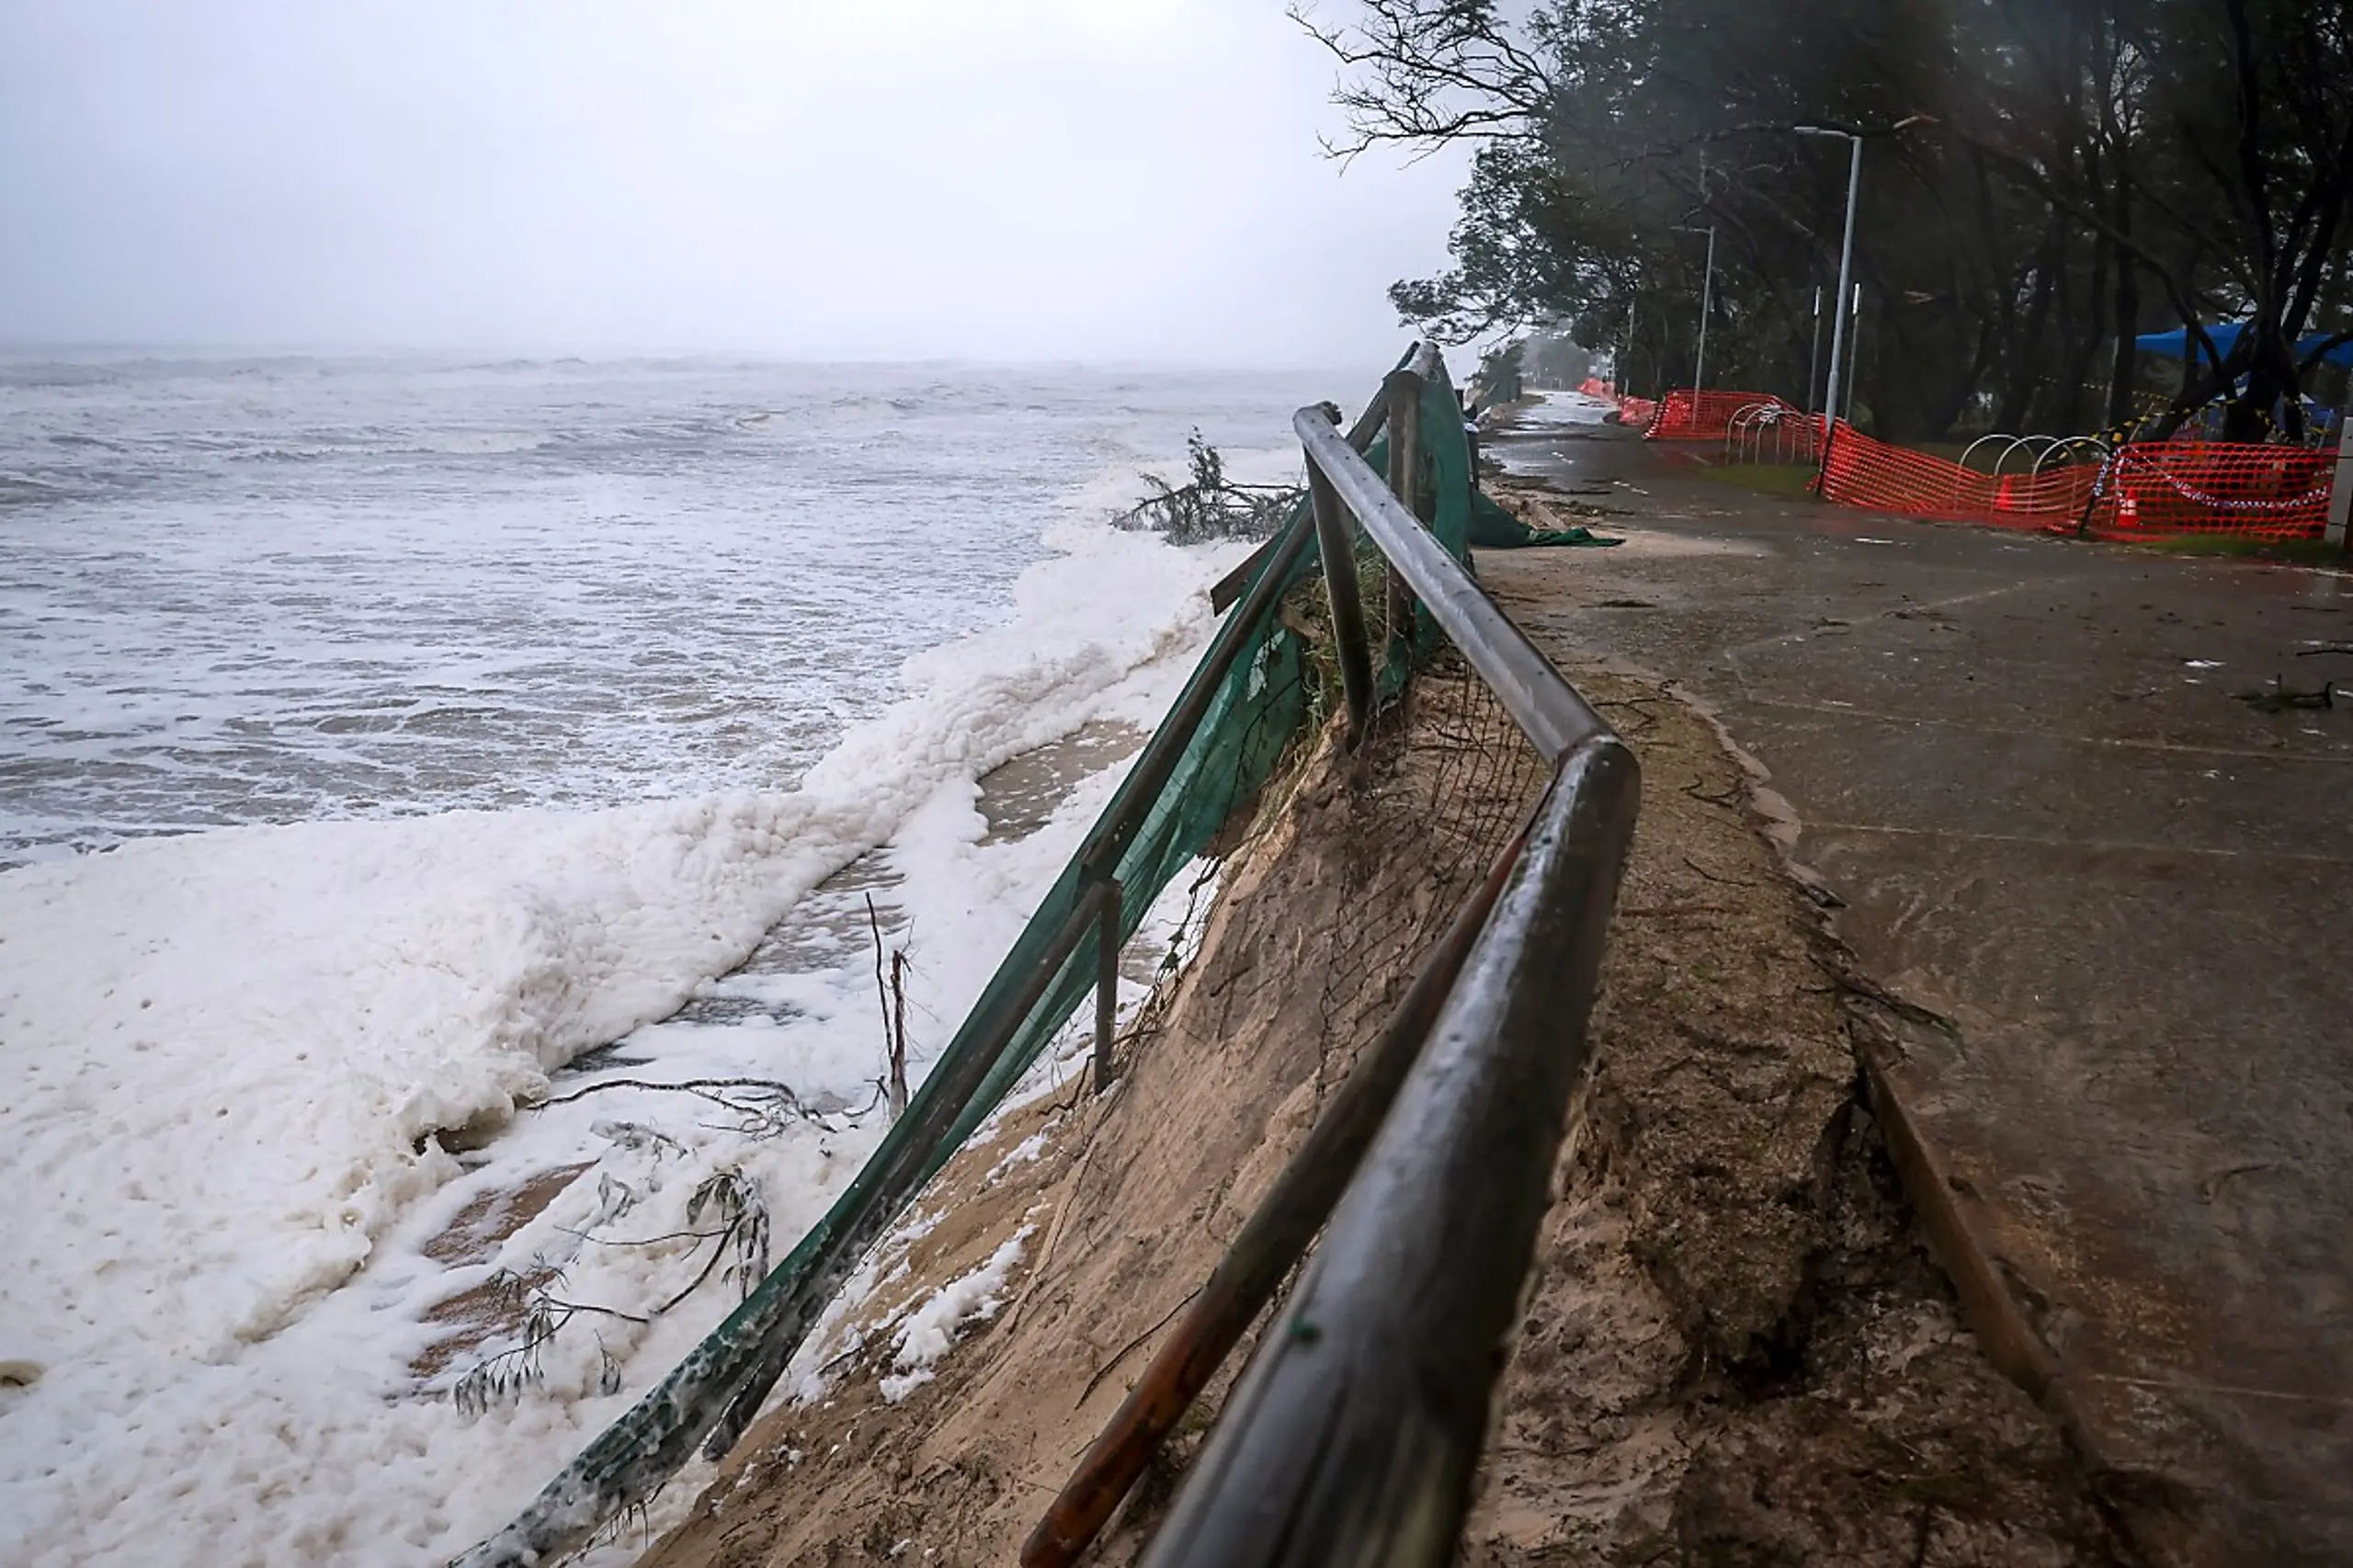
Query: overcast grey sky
{"x": 1134, "y": 180}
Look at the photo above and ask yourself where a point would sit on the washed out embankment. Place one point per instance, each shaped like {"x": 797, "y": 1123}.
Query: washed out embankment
{"x": 1736, "y": 1347}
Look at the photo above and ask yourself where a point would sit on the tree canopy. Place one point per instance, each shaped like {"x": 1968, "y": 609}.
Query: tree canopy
{"x": 2042, "y": 181}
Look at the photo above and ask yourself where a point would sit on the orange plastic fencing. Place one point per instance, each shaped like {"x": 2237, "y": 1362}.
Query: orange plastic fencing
{"x": 1687, "y": 415}
{"x": 2148, "y": 489}
{"x": 1861, "y": 471}
{"x": 2211, "y": 487}
{"x": 1633, "y": 411}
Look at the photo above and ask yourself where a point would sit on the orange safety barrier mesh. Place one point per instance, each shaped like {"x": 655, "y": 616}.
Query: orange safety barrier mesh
{"x": 1686, "y": 416}
{"x": 2211, "y": 487}
{"x": 1861, "y": 471}
{"x": 1633, "y": 411}
{"x": 2152, "y": 488}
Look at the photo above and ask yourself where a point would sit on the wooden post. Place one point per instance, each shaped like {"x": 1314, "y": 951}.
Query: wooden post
{"x": 1107, "y": 984}
{"x": 1334, "y": 539}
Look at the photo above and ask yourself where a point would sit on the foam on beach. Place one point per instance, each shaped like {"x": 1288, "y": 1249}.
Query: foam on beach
{"x": 260, "y": 1077}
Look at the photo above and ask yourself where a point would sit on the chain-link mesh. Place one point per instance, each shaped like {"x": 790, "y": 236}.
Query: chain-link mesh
{"x": 1432, "y": 797}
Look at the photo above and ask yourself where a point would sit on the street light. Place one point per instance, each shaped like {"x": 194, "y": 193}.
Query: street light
{"x": 1626, "y": 371}
{"x": 1707, "y": 298}
{"x": 1847, "y": 246}
{"x": 1845, "y": 262}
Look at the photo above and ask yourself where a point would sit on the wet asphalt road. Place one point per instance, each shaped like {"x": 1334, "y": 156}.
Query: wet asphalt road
{"x": 2024, "y": 764}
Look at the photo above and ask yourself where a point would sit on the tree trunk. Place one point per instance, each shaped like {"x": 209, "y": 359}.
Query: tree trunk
{"x": 2079, "y": 372}
{"x": 2270, "y": 379}
{"x": 2125, "y": 369}
{"x": 2017, "y": 392}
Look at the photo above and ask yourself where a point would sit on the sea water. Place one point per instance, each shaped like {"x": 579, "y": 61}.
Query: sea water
{"x": 385, "y": 737}
{"x": 282, "y": 589}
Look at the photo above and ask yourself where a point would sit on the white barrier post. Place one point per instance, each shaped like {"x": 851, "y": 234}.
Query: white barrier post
{"x": 2340, "y": 492}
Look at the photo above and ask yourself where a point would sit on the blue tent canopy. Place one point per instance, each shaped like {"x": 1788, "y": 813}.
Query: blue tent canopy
{"x": 2179, "y": 342}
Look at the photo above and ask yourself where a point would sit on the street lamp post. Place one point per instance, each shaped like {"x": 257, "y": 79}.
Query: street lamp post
{"x": 1707, "y": 303}
{"x": 1846, "y": 261}
{"x": 1707, "y": 299}
{"x": 1847, "y": 250}
{"x": 1626, "y": 370}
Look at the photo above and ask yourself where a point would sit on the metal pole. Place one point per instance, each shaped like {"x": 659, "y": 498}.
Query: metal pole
{"x": 1265, "y": 1247}
{"x": 1354, "y": 1436}
{"x": 1707, "y": 298}
{"x": 1626, "y": 371}
{"x": 1523, "y": 680}
{"x": 1845, "y": 269}
{"x": 1813, "y": 358}
{"x": 1854, "y": 354}
{"x": 2340, "y": 494}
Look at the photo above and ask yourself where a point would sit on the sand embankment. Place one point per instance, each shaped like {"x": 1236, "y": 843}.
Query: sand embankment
{"x": 1738, "y": 1349}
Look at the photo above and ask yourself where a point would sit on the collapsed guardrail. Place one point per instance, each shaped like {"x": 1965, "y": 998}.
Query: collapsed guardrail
{"x": 1466, "y": 1154}
{"x": 1356, "y": 1434}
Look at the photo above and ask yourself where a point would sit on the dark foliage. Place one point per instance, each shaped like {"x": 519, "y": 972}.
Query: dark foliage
{"x": 2042, "y": 180}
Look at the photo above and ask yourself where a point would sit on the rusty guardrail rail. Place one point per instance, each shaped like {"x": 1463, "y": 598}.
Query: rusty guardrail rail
{"x": 1355, "y": 1433}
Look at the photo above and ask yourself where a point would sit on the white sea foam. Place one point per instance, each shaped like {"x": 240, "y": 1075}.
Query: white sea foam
{"x": 225, "y": 1052}
{"x": 927, "y": 1333}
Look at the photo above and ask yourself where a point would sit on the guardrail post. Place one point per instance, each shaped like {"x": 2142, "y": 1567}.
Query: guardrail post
{"x": 1107, "y": 982}
{"x": 1402, "y": 392}
{"x": 1334, "y": 540}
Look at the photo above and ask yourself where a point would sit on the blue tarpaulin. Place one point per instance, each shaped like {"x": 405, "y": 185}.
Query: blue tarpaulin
{"x": 2179, "y": 342}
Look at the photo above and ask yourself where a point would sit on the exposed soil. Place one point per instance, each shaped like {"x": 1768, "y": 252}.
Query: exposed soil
{"x": 1738, "y": 1351}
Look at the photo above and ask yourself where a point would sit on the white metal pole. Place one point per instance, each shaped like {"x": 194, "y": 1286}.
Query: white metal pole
{"x": 2340, "y": 494}
{"x": 1846, "y": 267}
{"x": 1854, "y": 354}
{"x": 1707, "y": 298}
{"x": 1813, "y": 358}
{"x": 1626, "y": 371}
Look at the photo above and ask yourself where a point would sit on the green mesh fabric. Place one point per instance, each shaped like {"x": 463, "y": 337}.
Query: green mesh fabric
{"x": 1492, "y": 528}
{"x": 1251, "y": 720}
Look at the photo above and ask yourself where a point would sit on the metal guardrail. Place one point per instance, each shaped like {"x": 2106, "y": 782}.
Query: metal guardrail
{"x": 712, "y": 1396}
{"x": 1354, "y": 1435}
{"x": 1356, "y": 1432}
